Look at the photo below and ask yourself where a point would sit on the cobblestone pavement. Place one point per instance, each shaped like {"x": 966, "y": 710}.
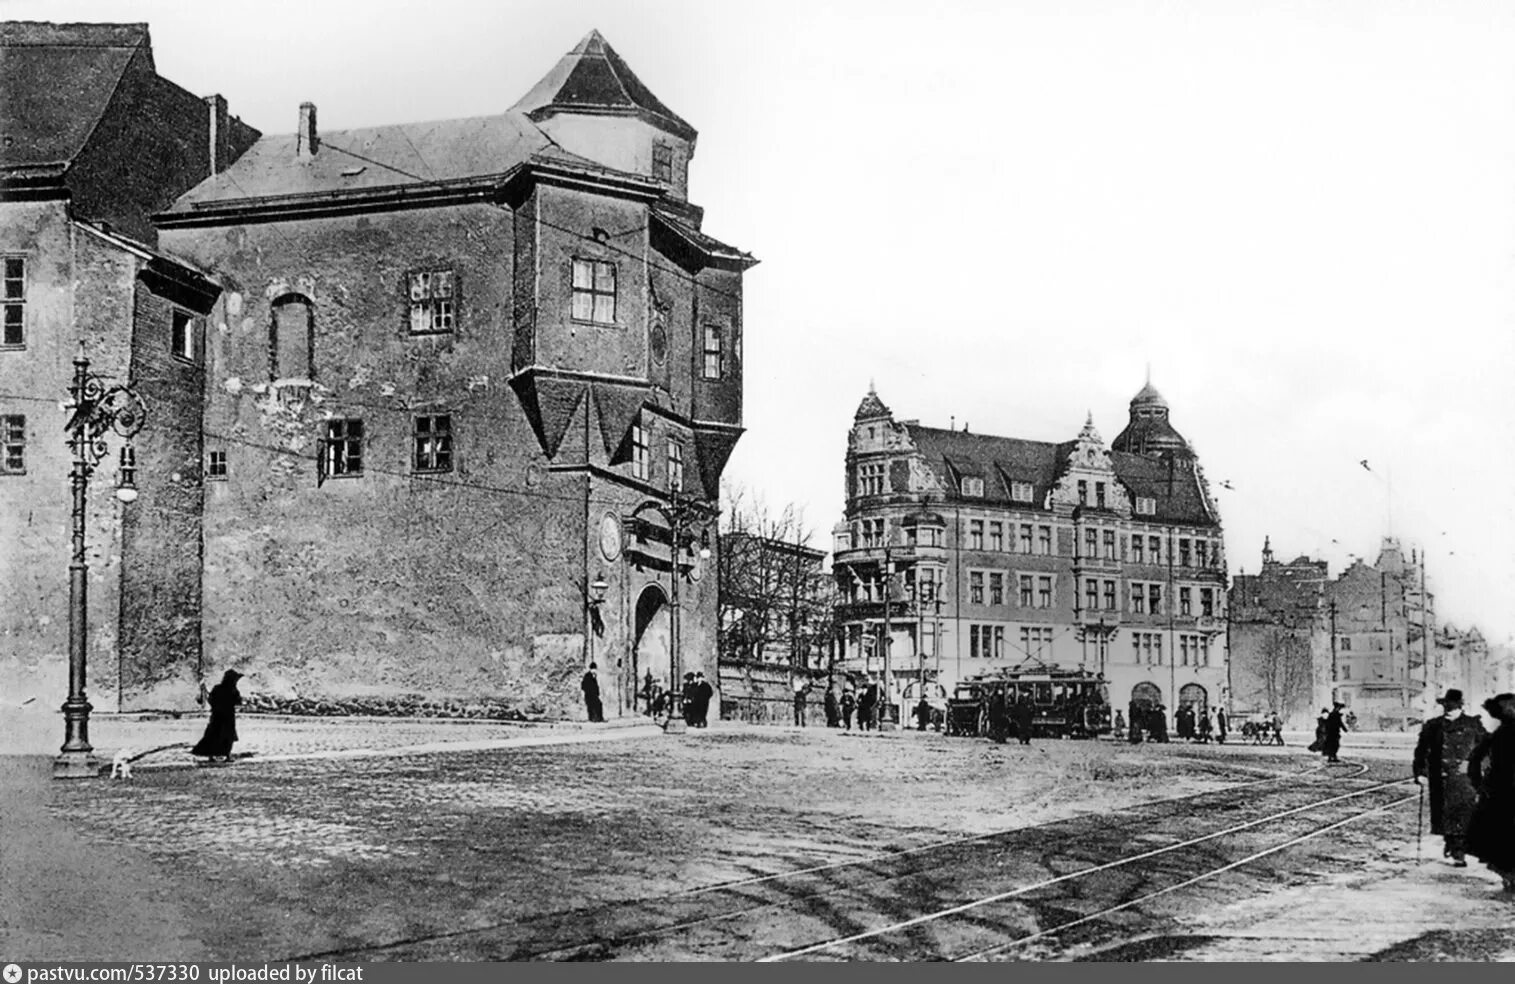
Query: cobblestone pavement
{"x": 280, "y": 856}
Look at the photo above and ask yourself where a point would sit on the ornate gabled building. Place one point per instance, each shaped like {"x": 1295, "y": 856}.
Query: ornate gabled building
{"x": 971, "y": 553}
{"x": 468, "y": 393}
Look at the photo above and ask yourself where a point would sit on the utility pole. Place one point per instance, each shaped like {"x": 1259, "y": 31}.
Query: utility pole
{"x": 1332, "y": 610}
{"x": 888, "y": 699}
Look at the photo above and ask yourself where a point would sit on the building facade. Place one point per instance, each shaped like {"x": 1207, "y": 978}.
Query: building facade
{"x": 469, "y": 391}
{"x": 1300, "y": 639}
{"x": 83, "y": 167}
{"x": 971, "y": 553}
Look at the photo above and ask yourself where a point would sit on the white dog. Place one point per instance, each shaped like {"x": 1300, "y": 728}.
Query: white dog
{"x": 121, "y": 765}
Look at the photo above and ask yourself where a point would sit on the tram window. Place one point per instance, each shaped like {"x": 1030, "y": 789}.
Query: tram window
{"x": 1043, "y": 693}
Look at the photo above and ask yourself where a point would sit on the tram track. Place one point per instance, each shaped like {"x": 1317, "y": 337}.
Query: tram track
{"x": 613, "y": 928}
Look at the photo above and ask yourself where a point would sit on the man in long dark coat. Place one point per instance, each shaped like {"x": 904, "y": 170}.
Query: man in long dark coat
{"x": 1491, "y": 835}
{"x": 1331, "y": 743}
{"x": 1441, "y": 761}
{"x": 704, "y": 693}
{"x": 833, "y": 708}
{"x": 1159, "y": 724}
{"x": 999, "y": 716}
{"x": 1137, "y": 713}
{"x": 1220, "y": 725}
{"x": 591, "y": 687}
{"x": 690, "y": 698}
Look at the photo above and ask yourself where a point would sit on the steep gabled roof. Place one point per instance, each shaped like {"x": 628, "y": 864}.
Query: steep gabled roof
{"x": 56, "y": 81}
{"x": 593, "y": 79}
{"x": 1172, "y": 483}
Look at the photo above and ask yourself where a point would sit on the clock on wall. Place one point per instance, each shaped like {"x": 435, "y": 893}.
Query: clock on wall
{"x": 610, "y": 537}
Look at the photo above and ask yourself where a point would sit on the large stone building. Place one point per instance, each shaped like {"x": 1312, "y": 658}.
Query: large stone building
{"x": 95, "y": 141}
{"x": 458, "y": 420}
{"x": 997, "y": 552}
{"x": 1300, "y": 639}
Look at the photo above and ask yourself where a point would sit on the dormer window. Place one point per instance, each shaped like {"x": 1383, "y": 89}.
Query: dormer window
{"x": 662, "y": 162}
{"x": 973, "y": 487}
{"x": 1146, "y": 506}
{"x": 1022, "y": 491}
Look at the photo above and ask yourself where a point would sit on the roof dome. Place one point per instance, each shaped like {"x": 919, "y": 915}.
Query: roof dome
{"x": 1149, "y": 431}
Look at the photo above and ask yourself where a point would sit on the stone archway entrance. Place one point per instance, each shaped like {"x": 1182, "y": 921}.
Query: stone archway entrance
{"x": 1195, "y": 696}
{"x": 1147, "y": 696}
{"x": 650, "y": 649}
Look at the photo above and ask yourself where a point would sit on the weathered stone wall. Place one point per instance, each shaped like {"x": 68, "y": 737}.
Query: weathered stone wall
{"x": 462, "y": 584}
{"x": 161, "y": 531}
{"x": 78, "y": 288}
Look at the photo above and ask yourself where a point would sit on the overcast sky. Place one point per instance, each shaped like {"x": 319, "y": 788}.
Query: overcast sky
{"x": 1302, "y": 215}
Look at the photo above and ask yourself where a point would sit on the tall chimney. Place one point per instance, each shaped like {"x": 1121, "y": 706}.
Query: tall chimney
{"x": 220, "y": 134}
{"x": 306, "y": 141}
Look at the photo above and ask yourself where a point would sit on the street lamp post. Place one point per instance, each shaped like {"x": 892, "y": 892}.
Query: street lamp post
{"x": 594, "y": 598}
{"x": 885, "y": 723}
{"x": 96, "y": 409}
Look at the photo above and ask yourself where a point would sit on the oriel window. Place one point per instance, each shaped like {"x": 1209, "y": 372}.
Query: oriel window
{"x": 432, "y": 302}
{"x": 594, "y": 291}
{"x": 433, "y": 443}
{"x": 713, "y": 362}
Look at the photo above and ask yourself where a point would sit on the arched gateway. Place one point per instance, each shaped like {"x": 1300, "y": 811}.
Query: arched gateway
{"x": 649, "y": 648}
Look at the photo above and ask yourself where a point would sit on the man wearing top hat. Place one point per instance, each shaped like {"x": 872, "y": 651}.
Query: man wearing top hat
{"x": 1441, "y": 761}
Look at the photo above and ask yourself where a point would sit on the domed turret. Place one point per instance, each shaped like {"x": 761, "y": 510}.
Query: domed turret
{"x": 1149, "y": 431}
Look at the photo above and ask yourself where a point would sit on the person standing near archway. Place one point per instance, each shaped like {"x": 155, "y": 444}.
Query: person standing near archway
{"x": 591, "y": 687}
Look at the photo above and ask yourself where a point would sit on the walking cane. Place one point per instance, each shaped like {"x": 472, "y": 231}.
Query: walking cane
{"x": 1420, "y": 817}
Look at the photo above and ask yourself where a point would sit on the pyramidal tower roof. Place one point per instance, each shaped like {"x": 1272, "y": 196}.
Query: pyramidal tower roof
{"x": 592, "y": 79}
{"x": 871, "y": 406}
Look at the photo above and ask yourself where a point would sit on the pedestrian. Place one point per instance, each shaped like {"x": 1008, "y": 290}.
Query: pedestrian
{"x": 999, "y": 716}
{"x": 849, "y": 704}
{"x": 591, "y": 687}
{"x": 923, "y": 714}
{"x": 1334, "y": 726}
{"x": 1220, "y": 725}
{"x": 1159, "y": 724}
{"x": 833, "y": 708}
{"x": 687, "y": 699}
{"x": 1491, "y": 767}
{"x": 1320, "y": 730}
{"x": 801, "y": 692}
{"x": 867, "y": 705}
{"x": 1276, "y": 725}
{"x": 1025, "y": 720}
{"x": 221, "y": 730}
{"x": 1184, "y": 722}
{"x": 650, "y": 693}
{"x": 704, "y": 694}
{"x": 1441, "y": 762}
{"x": 1119, "y": 724}
{"x": 1138, "y": 713}
{"x": 1203, "y": 727}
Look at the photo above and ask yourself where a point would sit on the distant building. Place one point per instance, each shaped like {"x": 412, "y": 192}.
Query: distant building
{"x": 776, "y": 600}
{"x": 95, "y": 141}
{"x": 1300, "y": 639}
{"x": 973, "y": 553}
{"x": 1280, "y": 640}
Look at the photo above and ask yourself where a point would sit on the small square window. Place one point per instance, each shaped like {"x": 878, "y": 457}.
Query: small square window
{"x": 215, "y": 465}
{"x": 344, "y": 448}
{"x": 973, "y": 487}
{"x": 1146, "y": 506}
{"x": 13, "y": 445}
{"x": 185, "y": 337}
{"x": 594, "y": 291}
{"x": 433, "y": 443}
{"x": 1022, "y": 491}
{"x": 432, "y": 302}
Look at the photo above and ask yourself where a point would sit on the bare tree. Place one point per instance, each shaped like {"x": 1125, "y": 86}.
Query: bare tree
{"x": 775, "y": 601}
{"x": 1287, "y": 672}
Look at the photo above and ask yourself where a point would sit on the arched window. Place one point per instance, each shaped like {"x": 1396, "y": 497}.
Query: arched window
{"x": 291, "y": 338}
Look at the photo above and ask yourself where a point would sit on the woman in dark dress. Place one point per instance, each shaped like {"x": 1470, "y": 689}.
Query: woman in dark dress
{"x": 1491, "y": 835}
{"x": 221, "y": 732}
